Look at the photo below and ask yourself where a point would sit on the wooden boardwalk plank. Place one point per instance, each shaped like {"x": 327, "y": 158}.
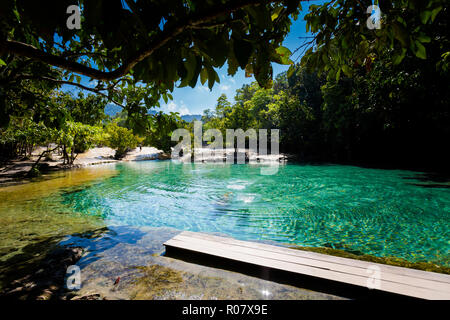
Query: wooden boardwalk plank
{"x": 323, "y": 257}
{"x": 355, "y": 270}
{"x": 398, "y": 280}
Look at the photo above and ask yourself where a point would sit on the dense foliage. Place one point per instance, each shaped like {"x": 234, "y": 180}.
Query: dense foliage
{"x": 158, "y": 44}
{"x": 347, "y": 39}
{"x": 359, "y": 95}
{"x": 363, "y": 95}
{"x": 395, "y": 115}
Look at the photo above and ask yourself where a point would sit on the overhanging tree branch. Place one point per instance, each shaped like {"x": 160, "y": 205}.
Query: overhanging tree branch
{"x": 94, "y": 90}
{"x": 29, "y": 51}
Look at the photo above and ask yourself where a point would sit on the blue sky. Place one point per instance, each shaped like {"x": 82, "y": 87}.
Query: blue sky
{"x": 189, "y": 100}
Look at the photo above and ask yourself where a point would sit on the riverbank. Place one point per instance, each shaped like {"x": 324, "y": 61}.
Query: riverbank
{"x": 15, "y": 171}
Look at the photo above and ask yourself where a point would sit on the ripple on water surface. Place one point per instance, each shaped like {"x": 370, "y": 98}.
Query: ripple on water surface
{"x": 378, "y": 212}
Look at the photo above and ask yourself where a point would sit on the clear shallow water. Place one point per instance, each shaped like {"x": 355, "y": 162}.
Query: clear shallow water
{"x": 378, "y": 212}
{"x": 33, "y": 217}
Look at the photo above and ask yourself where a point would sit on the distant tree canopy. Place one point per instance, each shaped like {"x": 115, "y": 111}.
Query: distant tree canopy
{"x": 396, "y": 115}
{"x": 360, "y": 95}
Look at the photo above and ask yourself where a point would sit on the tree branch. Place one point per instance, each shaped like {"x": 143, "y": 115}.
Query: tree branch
{"x": 23, "y": 49}
{"x": 97, "y": 91}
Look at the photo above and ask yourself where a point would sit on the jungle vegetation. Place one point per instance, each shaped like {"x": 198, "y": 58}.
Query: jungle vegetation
{"x": 359, "y": 94}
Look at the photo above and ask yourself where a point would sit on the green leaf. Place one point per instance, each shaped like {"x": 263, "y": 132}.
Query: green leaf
{"x": 424, "y": 38}
{"x": 290, "y": 71}
{"x": 203, "y": 76}
{"x": 347, "y": 70}
{"x": 398, "y": 58}
{"x": 338, "y": 75}
{"x": 261, "y": 16}
{"x": 212, "y": 77}
{"x": 435, "y": 12}
{"x": 16, "y": 13}
{"x": 421, "y": 52}
{"x": 190, "y": 64}
{"x": 232, "y": 65}
{"x": 2, "y": 63}
{"x": 170, "y": 68}
{"x": 401, "y": 34}
{"x": 425, "y": 16}
{"x": 285, "y": 55}
{"x": 242, "y": 50}
{"x": 217, "y": 77}
{"x": 276, "y": 13}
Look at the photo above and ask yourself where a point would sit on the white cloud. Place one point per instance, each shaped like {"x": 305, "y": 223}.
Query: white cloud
{"x": 202, "y": 88}
{"x": 172, "y": 106}
{"x": 232, "y": 80}
{"x": 182, "y": 109}
{"x": 224, "y": 87}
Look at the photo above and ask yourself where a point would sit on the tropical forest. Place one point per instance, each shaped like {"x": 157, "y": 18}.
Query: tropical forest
{"x": 337, "y": 185}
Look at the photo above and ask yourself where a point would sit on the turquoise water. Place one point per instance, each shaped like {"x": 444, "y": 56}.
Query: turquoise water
{"x": 378, "y": 212}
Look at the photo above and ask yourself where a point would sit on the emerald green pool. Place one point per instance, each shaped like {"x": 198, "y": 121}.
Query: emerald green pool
{"x": 378, "y": 212}
{"x": 368, "y": 211}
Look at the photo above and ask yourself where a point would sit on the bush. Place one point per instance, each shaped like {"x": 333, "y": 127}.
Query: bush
{"x": 120, "y": 139}
{"x": 76, "y": 137}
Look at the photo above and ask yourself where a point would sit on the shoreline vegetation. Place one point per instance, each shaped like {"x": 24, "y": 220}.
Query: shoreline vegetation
{"x": 16, "y": 171}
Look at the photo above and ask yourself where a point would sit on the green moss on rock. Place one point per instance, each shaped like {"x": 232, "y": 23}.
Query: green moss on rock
{"x": 155, "y": 280}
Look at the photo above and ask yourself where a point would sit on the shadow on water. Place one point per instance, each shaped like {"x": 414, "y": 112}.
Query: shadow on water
{"x": 38, "y": 272}
{"x": 40, "y": 266}
{"x": 97, "y": 241}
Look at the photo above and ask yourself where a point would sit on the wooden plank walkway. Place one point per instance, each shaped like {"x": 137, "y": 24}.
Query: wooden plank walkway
{"x": 398, "y": 280}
